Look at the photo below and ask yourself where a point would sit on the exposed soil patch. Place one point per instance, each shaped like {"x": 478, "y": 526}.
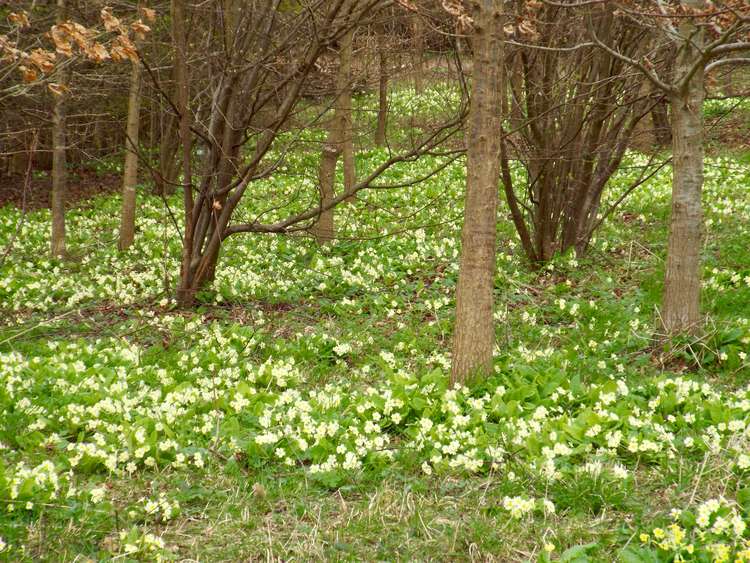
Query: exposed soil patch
{"x": 82, "y": 185}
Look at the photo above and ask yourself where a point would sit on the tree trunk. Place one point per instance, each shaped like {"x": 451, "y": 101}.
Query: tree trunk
{"x": 662, "y": 128}
{"x": 338, "y": 143}
{"x": 130, "y": 173}
{"x": 324, "y": 228}
{"x": 169, "y": 160}
{"x": 186, "y": 292}
{"x": 682, "y": 282}
{"x": 164, "y": 135}
{"x": 418, "y": 31}
{"x": 474, "y": 334}
{"x": 98, "y": 137}
{"x": 59, "y": 153}
{"x": 383, "y": 89}
{"x": 344, "y": 111}
{"x": 153, "y": 121}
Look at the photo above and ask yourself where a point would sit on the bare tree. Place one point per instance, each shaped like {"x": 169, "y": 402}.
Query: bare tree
{"x": 182, "y": 88}
{"x": 324, "y": 228}
{"x": 339, "y": 143}
{"x": 46, "y": 56}
{"x": 682, "y": 280}
{"x": 344, "y": 116}
{"x": 573, "y": 109}
{"x": 59, "y": 149}
{"x": 706, "y": 35}
{"x": 418, "y": 34}
{"x": 474, "y": 332}
{"x": 383, "y": 77}
{"x": 244, "y": 131}
{"x": 130, "y": 170}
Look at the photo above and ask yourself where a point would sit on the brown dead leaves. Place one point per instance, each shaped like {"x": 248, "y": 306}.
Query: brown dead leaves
{"x": 19, "y": 19}
{"x": 57, "y": 89}
{"x": 149, "y": 14}
{"x": 71, "y": 39}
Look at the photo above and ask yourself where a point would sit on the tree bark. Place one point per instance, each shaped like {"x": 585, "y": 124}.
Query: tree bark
{"x": 682, "y": 283}
{"x": 383, "y": 91}
{"x": 167, "y": 138}
{"x": 153, "y": 122}
{"x": 169, "y": 160}
{"x": 474, "y": 333}
{"x": 130, "y": 173}
{"x": 324, "y": 228}
{"x": 419, "y": 35}
{"x": 186, "y": 292}
{"x": 99, "y": 144}
{"x": 662, "y": 127}
{"x": 339, "y": 143}
{"x": 59, "y": 153}
{"x": 344, "y": 110}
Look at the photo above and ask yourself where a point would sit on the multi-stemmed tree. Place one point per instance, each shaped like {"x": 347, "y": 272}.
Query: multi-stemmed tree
{"x": 706, "y": 35}
{"x": 573, "y": 109}
{"x": 562, "y": 108}
{"x": 258, "y": 64}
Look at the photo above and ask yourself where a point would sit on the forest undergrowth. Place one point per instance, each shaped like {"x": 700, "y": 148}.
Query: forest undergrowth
{"x": 302, "y": 410}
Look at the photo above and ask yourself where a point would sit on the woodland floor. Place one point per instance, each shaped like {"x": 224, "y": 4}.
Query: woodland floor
{"x": 301, "y": 411}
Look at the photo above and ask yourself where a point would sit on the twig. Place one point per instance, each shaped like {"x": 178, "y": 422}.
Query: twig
{"x": 26, "y": 183}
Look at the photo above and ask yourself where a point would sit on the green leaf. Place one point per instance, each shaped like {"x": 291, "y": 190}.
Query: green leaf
{"x": 543, "y": 557}
{"x": 717, "y": 412}
{"x": 577, "y": 553}
{"x": 687, "y": 519}
{"x": 669, "y": 403}
{"x": 575, "y": 385}
{"x": 743, "y": 499}
{"x": 418, "y": 403}
{"x": 732, "y": 335}
{"x": 638, "y": 555}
